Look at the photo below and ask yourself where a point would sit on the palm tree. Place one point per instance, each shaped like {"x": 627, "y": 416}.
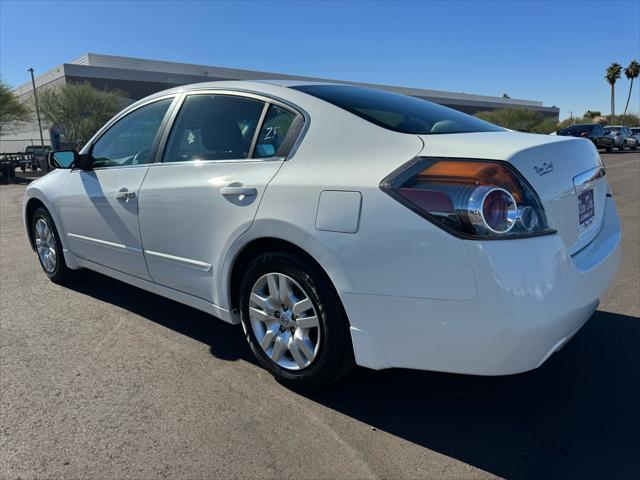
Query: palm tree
{"x": 613, "y": 74}
{"x": 631, "y": 72}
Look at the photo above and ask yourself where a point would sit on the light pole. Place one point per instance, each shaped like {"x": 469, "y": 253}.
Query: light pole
{"x": 35, "y": 96}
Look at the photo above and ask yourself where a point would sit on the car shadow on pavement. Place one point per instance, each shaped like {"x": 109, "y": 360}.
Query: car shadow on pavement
{"x": 226, "y": 341}
{"x": 577, "y": 416}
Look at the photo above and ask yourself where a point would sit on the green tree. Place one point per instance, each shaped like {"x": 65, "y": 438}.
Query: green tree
{"x": 631, "y": 72}
{"x": 519, "y": 119}
{"x": 12, "y": 110}
{"x": 629, "y": 120}
{"x": 592, "y": 114}
{"x": 79, "y": 110}
{"x": 613, "y": 73}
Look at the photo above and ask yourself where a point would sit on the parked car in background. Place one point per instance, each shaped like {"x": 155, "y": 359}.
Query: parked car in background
{"x": 622, "y": 137}
{"x": 40, "y": 155}
{"x": 635, "y": 131}
{"x": 593, "y": 131}
{"x": 339, "y": 225}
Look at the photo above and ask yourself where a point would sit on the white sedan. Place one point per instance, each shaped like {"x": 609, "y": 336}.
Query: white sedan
{"x": 339, "y": 225}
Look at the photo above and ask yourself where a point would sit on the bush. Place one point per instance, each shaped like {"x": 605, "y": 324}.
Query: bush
{"x": 519, "y": 119}
{"x": 629, "y": 120}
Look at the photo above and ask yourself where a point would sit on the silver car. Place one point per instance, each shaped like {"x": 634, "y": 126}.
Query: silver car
{"x": 622, "y": 137}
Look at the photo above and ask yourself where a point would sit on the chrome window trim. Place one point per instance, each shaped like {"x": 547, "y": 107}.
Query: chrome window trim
{"x": 210, "y": 162}
{"x": 267, "y": 99}
{"x": 256, "y": 134}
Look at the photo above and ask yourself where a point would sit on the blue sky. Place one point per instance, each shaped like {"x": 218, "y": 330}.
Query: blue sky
{"x": 556, "y": 52}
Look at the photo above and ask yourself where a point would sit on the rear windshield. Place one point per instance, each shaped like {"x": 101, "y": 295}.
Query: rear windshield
{"x": 400, "y": 113}
{"x": 580, "y": 128}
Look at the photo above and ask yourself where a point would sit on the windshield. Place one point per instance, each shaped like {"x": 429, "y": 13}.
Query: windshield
{"x": 612, "y": 129}
{"x": 400, "y": 113}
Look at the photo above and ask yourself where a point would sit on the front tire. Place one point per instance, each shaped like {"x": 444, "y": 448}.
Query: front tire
{"x": 48, "y": 246}
{"x": 294, "y": 322}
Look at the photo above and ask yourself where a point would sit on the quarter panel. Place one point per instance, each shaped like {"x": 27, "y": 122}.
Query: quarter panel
{"x": 394, "y": 251}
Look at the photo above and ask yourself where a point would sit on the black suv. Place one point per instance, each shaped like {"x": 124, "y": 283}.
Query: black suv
{"x": 593, "y": 131}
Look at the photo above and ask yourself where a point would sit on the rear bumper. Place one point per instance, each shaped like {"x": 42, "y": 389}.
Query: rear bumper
{"x": 532, "y": 298}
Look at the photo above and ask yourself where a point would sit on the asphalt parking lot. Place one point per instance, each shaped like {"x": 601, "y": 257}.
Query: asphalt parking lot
{"x": 101, "y": 380}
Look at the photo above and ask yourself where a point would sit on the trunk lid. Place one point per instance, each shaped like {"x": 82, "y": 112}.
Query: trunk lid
{"x": 564, "y": 171}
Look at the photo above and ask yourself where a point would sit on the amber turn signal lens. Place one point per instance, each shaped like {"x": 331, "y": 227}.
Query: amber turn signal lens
{"x": 473, "y": 173}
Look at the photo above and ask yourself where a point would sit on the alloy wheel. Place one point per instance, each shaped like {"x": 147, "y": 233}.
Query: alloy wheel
{"x": 284, "y": 321}
{"x": 45, "y": 245}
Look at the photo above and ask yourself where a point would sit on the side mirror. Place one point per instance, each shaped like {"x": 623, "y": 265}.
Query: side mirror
{"x": 70, "y": 159}
{"x": 62, "y": 158}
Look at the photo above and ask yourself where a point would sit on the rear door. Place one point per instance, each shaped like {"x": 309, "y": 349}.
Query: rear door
{"x": 220, "y": 154}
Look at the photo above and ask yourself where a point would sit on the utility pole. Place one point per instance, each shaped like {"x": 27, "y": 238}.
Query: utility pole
{"x": 35, "y": 96}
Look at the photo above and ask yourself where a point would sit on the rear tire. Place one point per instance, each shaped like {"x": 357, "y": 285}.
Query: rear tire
{"x": 49, "y": 247}
{"x": 333, "y": 354}
{"x": 610, "y": 148}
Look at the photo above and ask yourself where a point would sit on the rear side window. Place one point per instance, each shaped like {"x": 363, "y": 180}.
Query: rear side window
{"x": 277, "y": 125}
{"x": 400, "y": 113}
{"x": 213, "y": 127}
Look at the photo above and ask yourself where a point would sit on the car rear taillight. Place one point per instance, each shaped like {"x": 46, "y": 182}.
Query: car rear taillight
{"x": 470, "y": 198}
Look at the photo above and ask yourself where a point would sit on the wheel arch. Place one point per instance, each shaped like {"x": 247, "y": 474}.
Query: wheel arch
{"x": 258, "y": 246}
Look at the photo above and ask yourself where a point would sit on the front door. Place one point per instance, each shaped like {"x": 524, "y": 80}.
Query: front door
{"x": 217, "y": 163}
{"x": 99, "y": 207}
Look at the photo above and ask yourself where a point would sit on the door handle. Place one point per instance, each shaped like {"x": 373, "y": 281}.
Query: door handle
{"x": 124, "y": 194}
{"x": 246, "y": 191}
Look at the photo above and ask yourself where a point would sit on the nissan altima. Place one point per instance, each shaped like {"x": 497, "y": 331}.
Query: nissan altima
{"x": 339, "y": 225}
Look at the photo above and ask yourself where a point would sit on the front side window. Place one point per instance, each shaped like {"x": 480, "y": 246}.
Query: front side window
{"x": 400, "y": 113}
{"x": 130, "y": 140}
{"x": 213, "y": 127}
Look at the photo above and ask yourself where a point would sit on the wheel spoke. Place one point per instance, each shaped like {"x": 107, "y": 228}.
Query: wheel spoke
{"x": 259, "y": 315}
{"x": 308, "y": 322}
{"x": 49, "y": 262}
{"x": 278, "y": 348}
{"x": 260, "y": 301}
{"x": 302, "y": 306}
{"x": 272, "y": 283}
{"x": 295, "y": 353}
{"x": 284, "y": 289}
{"x": 304, "y": 348}
{"x": 269, "y": 338}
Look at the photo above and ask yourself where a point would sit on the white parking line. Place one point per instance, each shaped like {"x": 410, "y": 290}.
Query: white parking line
{"x": 623, "y": 163}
